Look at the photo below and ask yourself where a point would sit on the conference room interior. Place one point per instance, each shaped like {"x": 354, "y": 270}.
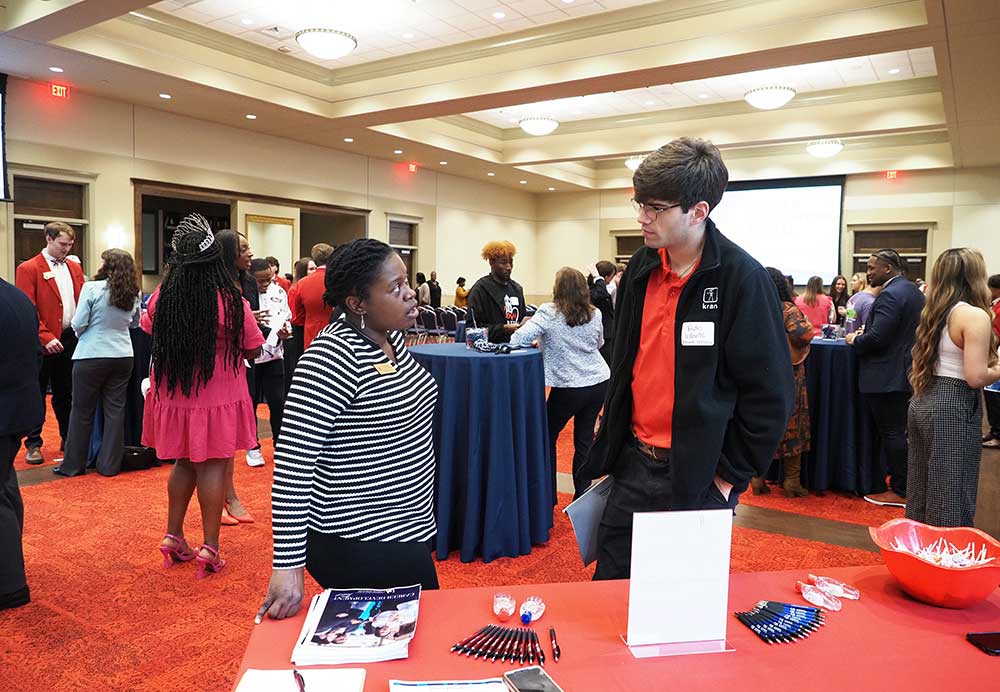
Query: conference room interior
{"x": 121, "y": 116}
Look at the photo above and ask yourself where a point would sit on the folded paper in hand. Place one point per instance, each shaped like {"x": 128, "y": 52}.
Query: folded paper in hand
{"x": 585, "y": 514}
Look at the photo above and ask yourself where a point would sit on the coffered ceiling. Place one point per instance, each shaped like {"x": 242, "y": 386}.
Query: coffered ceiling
{"x": 903, "y": 83}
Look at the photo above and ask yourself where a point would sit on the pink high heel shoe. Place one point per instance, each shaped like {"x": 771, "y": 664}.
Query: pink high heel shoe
{"x": 208, "y": 565}
{"x": 175, "y": 554}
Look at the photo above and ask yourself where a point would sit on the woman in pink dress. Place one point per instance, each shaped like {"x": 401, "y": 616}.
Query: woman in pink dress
{"x": 198, "y": 409}
{"x": 815, "y": 305}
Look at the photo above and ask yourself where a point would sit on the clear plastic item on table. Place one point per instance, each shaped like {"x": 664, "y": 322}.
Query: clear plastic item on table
{"x": 532, "y": 609}
{"x": 503, "y": 606}
{"x": 818, "y": 597}
{"x": 835, "y": 587}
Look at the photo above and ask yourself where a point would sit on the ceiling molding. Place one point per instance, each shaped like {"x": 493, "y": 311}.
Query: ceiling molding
{"x": 210, "y": 38}
{"x": 811, "y": 99}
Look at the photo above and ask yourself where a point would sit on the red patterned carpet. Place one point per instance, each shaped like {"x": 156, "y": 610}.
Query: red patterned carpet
{"x": 831, "y": 505}
{"x": 106, "y": 615}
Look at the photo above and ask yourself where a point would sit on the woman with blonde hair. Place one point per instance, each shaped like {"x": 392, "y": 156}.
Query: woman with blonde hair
{"x": 570, "y": 332}
{"x": 860, "y": 302}
{"x": 955, "y": 354}
{"x": 814, "y": 304}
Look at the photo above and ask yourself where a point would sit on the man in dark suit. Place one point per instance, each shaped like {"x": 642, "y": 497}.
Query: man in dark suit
{"x": 600, "y": 298}
{"x": 21, "y": 410}
{"x": 883, "y": 346}
{"x": 53, "y": 284}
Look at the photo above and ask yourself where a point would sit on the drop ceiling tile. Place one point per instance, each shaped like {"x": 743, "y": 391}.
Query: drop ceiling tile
{"x": 549, "y": 17}
{"x": 529, "y": 8}
{"x": 468, "y": 21}
{"x": 579, "y": 8}
{"x": 441, "y": 9}
{"x": 475, "y": 5}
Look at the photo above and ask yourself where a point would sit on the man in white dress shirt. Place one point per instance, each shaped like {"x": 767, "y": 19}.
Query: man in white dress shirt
{"x": 53, "y": 285}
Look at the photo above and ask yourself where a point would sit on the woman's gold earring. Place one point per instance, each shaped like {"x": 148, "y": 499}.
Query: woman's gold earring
{"x": 362, "y": 320}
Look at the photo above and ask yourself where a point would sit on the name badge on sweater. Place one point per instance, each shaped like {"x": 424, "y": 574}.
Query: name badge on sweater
{"x": 698, "y": 334}
{"x": 385, "y": 368}
{"x": 48, "y": 275}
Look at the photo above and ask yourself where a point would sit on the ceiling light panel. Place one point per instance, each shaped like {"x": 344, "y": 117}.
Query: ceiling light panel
{"x": 434, "y": 23}
{"x": 727, "y": 88}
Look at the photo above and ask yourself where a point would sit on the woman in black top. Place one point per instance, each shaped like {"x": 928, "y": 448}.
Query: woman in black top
{"x": 353, "y": 492}
{"x": 838, "y": 294}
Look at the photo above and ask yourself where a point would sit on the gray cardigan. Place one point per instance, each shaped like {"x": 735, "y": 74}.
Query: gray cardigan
{"x": 571, "y": 354}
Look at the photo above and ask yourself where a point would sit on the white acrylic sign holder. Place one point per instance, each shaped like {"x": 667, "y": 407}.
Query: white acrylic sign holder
{"x": 679, "y": 588}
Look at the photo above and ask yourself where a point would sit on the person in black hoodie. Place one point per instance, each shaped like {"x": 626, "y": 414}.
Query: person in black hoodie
{"x": 600, "y": 276}
{"x": 701, "y": 387}
{"x": 497, "y": 301}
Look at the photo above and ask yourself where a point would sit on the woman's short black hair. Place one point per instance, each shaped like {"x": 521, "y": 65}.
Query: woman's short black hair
{"x": 461, "y": 281}
{"x": 421, "y": 279}
{"x": 258, "y": 265}
{"x": 352, "y": 269}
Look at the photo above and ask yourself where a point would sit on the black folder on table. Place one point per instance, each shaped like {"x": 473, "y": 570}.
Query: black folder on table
{"x": 585, "y": 514}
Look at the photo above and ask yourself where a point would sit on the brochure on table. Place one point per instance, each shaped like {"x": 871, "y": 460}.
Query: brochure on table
{"x": 330, "y": 679}
{"x": 679, "y": 587}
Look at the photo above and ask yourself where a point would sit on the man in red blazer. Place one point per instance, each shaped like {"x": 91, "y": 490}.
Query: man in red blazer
{"x": 992, "y": 396}
{"x": 308, "y": 300}
{"x": 53, "y": 285}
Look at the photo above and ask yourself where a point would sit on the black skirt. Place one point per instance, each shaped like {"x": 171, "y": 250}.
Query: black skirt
{"x": 340, "y": 563}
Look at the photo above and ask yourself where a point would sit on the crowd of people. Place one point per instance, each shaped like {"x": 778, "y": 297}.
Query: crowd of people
{"x": 693, "y": 351}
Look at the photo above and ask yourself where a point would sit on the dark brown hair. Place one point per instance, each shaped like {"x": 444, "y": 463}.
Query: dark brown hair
{"x": 685, "y": 171}
{"x": 119, "y": 271}
{"x": 571, "y": 296}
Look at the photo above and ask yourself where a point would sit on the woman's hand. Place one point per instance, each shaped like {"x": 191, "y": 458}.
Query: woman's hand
{"x": 284, "y": 594}
{"x": 842, "y": 311}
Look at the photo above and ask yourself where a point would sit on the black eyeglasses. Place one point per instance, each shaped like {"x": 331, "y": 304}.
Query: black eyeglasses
{"x": 654, "y": 209}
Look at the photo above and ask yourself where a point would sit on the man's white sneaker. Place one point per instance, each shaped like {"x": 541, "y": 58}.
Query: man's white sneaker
{"x": 255, "y": 458}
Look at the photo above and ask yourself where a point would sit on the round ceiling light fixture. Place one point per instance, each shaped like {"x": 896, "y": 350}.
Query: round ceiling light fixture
{"x": 326, "y": 44}
{"x": 770, "y": 97}
{"x": 538, "y": 125}
{"x": 824, "y": 148}
{"x": 632, "y": 162}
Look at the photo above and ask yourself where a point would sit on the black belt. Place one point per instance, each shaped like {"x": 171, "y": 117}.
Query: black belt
{"x": 654, "y": 453}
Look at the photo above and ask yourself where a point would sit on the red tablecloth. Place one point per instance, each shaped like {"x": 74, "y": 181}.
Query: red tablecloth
{"x": 885, "y": 641}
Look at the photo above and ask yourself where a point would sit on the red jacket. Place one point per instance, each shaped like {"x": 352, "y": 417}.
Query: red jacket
{"x": 996, "y": 317}
{"x": 308, "y": 301}
{"x": 283, "y": 282}
{"x": 35, "y": 279}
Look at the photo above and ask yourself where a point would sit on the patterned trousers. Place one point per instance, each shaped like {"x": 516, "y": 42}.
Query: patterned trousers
{"x": 944, "y": 427}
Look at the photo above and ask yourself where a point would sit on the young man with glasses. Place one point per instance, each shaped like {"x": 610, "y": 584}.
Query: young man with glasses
{"x": 883, "y": 346}
{"x": 702, "y": 384}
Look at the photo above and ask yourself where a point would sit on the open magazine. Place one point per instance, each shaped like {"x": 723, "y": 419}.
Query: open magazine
{"x": 358, "y": 626}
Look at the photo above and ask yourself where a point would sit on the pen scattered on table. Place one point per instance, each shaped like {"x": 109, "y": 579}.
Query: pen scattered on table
{"x": 509, "y": 644}
{"x": 555, "y": 644}
{"x": 782, "y": 623}
{"x": 299, "y": 680}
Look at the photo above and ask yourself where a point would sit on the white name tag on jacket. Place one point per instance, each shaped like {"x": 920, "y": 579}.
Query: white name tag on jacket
{"x": 698, "y": 334}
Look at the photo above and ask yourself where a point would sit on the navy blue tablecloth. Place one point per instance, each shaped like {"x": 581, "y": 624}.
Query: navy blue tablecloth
{"x": 494, "y": 482}
{"x": 460, "y": 332}
{"x": 843, "y": 455}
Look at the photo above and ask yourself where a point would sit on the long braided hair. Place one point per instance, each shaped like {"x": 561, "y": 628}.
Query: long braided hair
{"x": 352, "y": 269}
{"x": 186, "y": 321}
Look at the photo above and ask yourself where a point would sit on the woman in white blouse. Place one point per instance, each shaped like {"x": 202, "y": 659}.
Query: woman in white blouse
{"x": 570, "y": 332}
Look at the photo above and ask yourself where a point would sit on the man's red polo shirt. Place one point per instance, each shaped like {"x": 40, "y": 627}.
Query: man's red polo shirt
{"x": 653, "y": 370}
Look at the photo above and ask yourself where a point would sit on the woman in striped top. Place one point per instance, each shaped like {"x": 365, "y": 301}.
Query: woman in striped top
{"x": 353, "y": 492}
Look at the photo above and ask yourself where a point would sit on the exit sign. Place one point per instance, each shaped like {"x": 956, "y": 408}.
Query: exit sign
{"x": 60, "y": 91}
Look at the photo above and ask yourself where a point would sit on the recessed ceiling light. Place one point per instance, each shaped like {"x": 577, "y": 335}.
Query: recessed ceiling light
{"x": 499, "y": 15}
{"x": 397, "y": 151}
{"x": 568, "y": 2}
{"x": 491, "y": 174}
{"x": 165, "y": 96}
{"x": 650, "y": 103}
{"x": 348, "y": 139}
{"x": 246, "y": 21}
{"x": 894, "y": 70}
{"x": 250, "y": 116}
{"x": 443, "y": 163}
{"x": 407, "y": 35}
{"x": 523, "y": 182}
{"x": 703, "y": 96}
{"x": 56, "y": 69}
{"x": 551, "y": 189}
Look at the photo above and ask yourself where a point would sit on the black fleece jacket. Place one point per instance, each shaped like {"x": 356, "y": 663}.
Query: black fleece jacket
{"x": 732, "y": 399}
{"x": 486, "y": 302}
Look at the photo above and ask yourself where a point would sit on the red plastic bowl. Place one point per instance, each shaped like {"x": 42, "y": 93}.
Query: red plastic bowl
{"x": 948, "y": 587}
